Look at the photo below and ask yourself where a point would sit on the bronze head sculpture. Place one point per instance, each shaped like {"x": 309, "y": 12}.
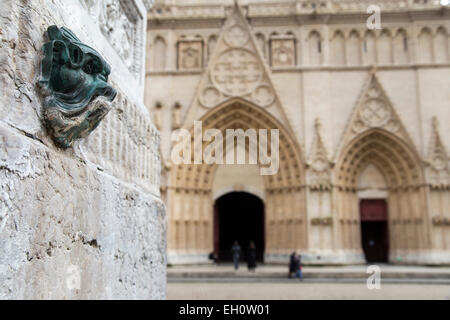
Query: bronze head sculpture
{"x": 74, "y": 81}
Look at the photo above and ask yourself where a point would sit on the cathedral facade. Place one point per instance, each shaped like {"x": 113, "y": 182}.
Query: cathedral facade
{"x": 362, "y": 111}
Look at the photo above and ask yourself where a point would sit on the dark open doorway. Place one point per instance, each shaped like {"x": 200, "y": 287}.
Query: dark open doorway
{"x": 374, "y": 230}
{"x": 238, "y": 216}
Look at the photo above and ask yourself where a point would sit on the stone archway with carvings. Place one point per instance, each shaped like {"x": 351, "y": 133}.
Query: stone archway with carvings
{"x": 400, "y": 167}
{"x": 376, "y": 137}
{"x": 191, "y": 199}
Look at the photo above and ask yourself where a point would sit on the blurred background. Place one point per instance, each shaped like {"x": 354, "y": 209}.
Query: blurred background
{"x": 360, "y": 93}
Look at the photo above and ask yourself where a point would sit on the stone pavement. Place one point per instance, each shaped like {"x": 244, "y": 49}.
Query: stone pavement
{"x": 267, "y": 272}
{"x": 297, "y": 290}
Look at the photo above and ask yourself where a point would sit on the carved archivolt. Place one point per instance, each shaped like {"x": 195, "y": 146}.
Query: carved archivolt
{"x": 244, "y": 115}
{"x": 399, "y": 166}
{"x": 376, "y": 135}
{"x": 191, "y": 185}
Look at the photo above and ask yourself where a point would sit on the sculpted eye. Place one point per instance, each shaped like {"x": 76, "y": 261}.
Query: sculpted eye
{"x": 76, "y": 54}
{"x": 93, "y": 66}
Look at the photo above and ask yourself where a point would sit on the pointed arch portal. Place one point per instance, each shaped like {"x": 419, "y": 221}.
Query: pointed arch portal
{"x": 390, "y": 229}
{"x": 191, "y": 219}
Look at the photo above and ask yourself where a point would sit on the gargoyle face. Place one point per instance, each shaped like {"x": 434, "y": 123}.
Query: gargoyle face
{"x": 73, "y": 75}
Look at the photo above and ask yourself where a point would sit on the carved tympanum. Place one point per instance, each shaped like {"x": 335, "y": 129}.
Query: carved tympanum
{"x": 74, "y": 83}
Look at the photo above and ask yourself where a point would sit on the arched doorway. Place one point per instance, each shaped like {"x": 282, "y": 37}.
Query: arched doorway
{"x": 373, "y": 193}
{"x": 238, "y": 216}
{"x": 380, "y": 198}
{"x": 374, "y": 230}
{"x": 192, "y": 194}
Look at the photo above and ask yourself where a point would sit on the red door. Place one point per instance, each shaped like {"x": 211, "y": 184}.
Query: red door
{"x": 374, "y": 229}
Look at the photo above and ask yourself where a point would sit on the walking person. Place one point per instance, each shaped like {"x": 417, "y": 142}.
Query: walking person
{"x": 292, "y": 264}
{"x": 251, "y": 257}
{"x": 236, "y": 251}
{"x": 298, "y": 267}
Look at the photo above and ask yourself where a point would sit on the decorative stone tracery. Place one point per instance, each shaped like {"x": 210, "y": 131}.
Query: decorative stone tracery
{"x": 236, "y": 68}
{"x": 374, "y": 110}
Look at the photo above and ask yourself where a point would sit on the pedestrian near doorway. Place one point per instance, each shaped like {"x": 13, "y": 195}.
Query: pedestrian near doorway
{"x": 298, "y": 267}
{"x": 292, "y": 264}
{"x": 251, "y": 257}
{"x": 236, "y": 251}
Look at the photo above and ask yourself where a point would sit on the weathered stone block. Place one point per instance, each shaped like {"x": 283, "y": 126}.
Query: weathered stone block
{"x": 86, "y": 222}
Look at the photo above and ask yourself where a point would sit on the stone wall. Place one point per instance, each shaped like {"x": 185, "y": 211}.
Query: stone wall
{"x": 86, "y": 222}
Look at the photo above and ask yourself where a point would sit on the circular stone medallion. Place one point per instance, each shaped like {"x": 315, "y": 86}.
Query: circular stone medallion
{"x": 237, "y": 72}
{"x": 375, "y": 113}
{"x": 263, "y": 96}
{"x": 210, "y": 97}
{"x": 236, "y": 36}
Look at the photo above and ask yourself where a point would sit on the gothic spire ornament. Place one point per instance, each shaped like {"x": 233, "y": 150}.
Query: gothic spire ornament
{"x": 318, "y": 162}
{"x": 437, "y": 171}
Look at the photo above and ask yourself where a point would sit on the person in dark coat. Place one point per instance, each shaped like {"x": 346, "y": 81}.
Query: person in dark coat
{"x": 292, "y": 264}
{"x": 251, "y": 257}
{"x": 298, "y": 267}
{"x": 212, "y": 256}
{"x": 236, "y": 252}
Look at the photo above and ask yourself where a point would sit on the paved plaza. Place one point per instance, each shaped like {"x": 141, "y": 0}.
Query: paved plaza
{"x": 224, "y": 290}
{"x": 221, "y": 282}
{"x": 279, "y": 271}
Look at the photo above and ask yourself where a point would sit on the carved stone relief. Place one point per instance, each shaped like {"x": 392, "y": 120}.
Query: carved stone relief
{"x": 441, "y": 221}
{"x": 210, "y": 96}
{"x": 236, "y": 68}
{"x": 120, "y": 22}
{"x": 328, "y": 221}
{"x": 282, "y": 52}
{"x": 237, "y": 72}
{"x": 190, "y": 54}
{"x": 236, "y": 36}
{"x": 263, "y": 95}
{"x": 374, "y": 110}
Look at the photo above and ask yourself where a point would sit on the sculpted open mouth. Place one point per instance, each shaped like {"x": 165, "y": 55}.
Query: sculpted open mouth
{"x": 108, "y": 94}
